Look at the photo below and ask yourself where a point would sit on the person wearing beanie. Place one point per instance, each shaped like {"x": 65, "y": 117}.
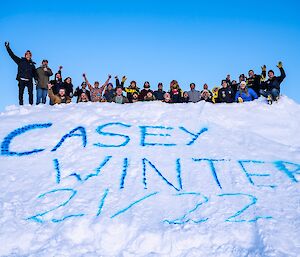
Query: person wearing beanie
{"x": 26, "y": 73}
{"x": 245, "y": 94}
{"x": 79, "y": 91}
{"x": 159, "y": 93}
{"x": 43, "y": 75}
{"x": 132, "y": 88}
{"x": 205, "y": 88}
{"x": 135, "y": 97}
{"x": 225, "y": 94}
{"x": 271, "y": 87}
{"x": 206, "y": 96}
{"x": 144, "y": 92}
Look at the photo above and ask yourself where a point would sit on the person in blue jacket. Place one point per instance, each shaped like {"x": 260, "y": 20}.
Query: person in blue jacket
{"x": 245, "y": 94}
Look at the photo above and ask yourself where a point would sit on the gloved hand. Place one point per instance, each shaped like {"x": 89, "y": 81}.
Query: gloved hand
{"x": 279, "y": 65}
{"x": 124, "y": 78}
{"x": 109, "y": 76}
{"x": 264, "y": 68}
{"x": 240, "y": 100}
{"x": 6, "y": 44}
{"x": 83, "y": 75}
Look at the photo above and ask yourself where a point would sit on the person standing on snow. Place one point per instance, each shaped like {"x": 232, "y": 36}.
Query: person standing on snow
{"x": 26, "y": 73}
{"x": 43, "y": 75}
{"x": 194, "y": 95}
{"x": 271, "y": 87}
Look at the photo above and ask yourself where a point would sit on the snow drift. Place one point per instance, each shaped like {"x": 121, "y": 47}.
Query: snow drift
{"x": 150, "y": 179}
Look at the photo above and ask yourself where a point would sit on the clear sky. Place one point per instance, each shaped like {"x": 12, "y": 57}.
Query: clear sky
{"x": 190, "y": 41}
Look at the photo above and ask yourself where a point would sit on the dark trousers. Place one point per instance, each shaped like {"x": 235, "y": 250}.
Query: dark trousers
{"x": 22, "y": 85}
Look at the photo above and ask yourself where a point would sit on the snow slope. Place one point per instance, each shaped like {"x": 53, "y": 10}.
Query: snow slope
{"x": 150, "y": 179}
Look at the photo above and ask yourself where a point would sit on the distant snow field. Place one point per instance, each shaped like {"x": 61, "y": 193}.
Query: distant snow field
{"x": 150, "y": 179}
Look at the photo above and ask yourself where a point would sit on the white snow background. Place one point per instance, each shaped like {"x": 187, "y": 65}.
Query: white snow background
{"x": 151, "y": 179}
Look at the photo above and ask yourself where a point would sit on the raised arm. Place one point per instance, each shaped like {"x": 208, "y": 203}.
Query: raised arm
{"x": 15, "y": 58}
{"x": 50, "y": 92}
{"x": 87, "y": 82}
{"x": 48, "y": 72}
{"x": 282, "y": 72}
{"x": 263, "y": 73}
{"x": 106, "y": 82}
{"x": 121, "y": 85}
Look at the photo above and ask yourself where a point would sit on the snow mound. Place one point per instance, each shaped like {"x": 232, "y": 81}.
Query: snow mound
{"x": 150, "y": 179}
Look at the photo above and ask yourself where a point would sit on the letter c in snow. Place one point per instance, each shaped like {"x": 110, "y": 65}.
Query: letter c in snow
{"x": 7, "y": 140}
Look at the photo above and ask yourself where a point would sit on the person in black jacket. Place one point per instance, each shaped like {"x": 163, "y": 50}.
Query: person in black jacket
{"x": 26, "y": 73}
{"x": 175, "y": 92}
{"x": 271, "y": 87}
{"x": 254, "y": 81}
{"x": 159, "y": 93}
{"x": 109, "y": 92}
{"x": 79, "y": 91}
{"x": 185, "y": 97}
{"x": 225, "y": 94}
{"x": 68, "y": 86}
{"x": 144, "y": 91}
{"x": 57, "y": 83}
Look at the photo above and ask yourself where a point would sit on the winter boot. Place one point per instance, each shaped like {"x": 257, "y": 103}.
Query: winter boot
{"x": 269, "y": 99}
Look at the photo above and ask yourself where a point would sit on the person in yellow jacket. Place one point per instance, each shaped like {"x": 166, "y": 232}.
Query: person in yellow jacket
{"x": 215, "y": 96}
{"x": 60, "y": 98}
{"x": 131, "y": 89}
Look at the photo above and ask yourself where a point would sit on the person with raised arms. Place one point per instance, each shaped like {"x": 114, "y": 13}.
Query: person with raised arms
{"x": 60, "y": 98}
{"x": 96, "y": 91}
{"x": 271, "y": 87}
{"x": 26, "y": 73}
{"x": 78, "y": 92}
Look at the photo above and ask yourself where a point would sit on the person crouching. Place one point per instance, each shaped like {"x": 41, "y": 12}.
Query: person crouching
{"x": 245, "y": 94}
{"x": 119, "y": 98}
{"x": 60, "y": 98}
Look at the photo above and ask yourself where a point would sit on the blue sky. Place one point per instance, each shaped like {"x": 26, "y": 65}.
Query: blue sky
{"x": 191, "y": 41}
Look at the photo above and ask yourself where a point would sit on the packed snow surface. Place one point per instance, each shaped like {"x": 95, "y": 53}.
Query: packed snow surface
{"x": 150, "y": 179}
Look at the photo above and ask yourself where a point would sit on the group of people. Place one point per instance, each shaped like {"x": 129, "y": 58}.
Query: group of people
{"x": 61, "y": 90}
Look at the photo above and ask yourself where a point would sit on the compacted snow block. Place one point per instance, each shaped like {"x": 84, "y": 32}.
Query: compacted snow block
{"x": 150, "y": 179}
